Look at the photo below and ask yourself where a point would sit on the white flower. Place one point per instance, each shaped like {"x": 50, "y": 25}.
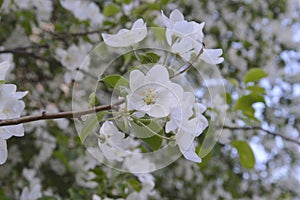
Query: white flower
{"x": 212, "y": 56}
{"x": 185, "y": 142}
{"x": 136, "y": 163}
{"x": 125, "y": 37}
{"x": 10, "y": 107}
{"x": 43, "y": 9}
{"x": 186, "y": 39}
{"x": 201, "y": 121}
{"x": 73, "y": 58}
{"x": 179, "y": 115}
{"x": 84, "y": 10}
{"x": 147, "y": 181}
{"x": 112, "y": 142}
{"x": 177, "y": 26}
{"x": 153, "y": 93}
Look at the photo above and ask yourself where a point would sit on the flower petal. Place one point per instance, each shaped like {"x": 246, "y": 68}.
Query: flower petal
{"x": 4, "y": 66}
{"x": 212, "y": 56}
{"x": 176, "y": 16}
{"x": 3, "y": 151}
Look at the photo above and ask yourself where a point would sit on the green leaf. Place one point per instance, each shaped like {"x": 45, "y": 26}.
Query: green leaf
{"x": 90, "y": 124}
{"x": 206, "y": 159}
{"x": 244, "y": 103}
{"x": 234, "y": 82}
{"x": 115, "y": 80}
{"x": 227, "y": 97}
{"x": 61, "y": 156}
{"x": 149, "y": 57}
{"x": 110, "y": 10}
{"x": 126, "y": 1}
{"x": 2, "y": 82}
{"x": 246, "y": 155}
{"x": 256, "y": 88}
{"x": 93, "y": 100}
{"x": 254, "y": 75}
{"x": 135, "y": 184}
{"x": 148, "y": 131}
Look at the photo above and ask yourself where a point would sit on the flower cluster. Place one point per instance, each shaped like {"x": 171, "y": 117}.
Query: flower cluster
{"x": 71, "y": 57}
{"x": 10, "y": 107}
{"x": 186, "y": 39}
{"x": 154, "y": 95}
{"x": 84, "y": 10}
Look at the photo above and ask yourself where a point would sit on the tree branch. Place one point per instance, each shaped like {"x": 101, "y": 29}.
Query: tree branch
{"x": 46, "y": 116}
{"x": 264, "y": 130}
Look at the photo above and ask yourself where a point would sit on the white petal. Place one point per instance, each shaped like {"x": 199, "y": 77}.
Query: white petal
{"x": 125, "y": 37}
{"x": 199, "y": 108}
{"x": 184, "y": 140}
{"x": 9, "y": 131}
{"x": 158, "y": 111}
{"x": 138, "y": 24}
{"x": 4, "y": 66}
{"x": 191, "y": 155}
{"x": 158, "y": 74}
{"x": 171, "y": 125}
{"x": 3, "y": 151}
{"x": 136, "y": 78}
{"x": 176, "y": 16}
{"x": 165, "y": 20}
{"x": 212, "y": 56}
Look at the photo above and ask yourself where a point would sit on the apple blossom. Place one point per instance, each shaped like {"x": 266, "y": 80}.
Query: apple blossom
{"x": 10, "y": 107}
{"x": 112, "y": 142}
{"x": 153, "y": 93}
{"x": 73, "y": 58}
{"x": 84, "y": 10}
{"x": 178, "y": 27}
{"x": 181, "y": 113}
{"x": 185, "y": 142}
{"x": 186, "y": 39}
{"x": 125, "y": 37}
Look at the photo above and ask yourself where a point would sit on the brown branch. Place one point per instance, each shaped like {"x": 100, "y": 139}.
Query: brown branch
{"x": 47, "y": 116}
{"x": 19, "y": 51}
{"x": 264, "y": 130}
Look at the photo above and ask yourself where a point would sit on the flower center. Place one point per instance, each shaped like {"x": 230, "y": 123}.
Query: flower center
{"x": 149, "y": 96}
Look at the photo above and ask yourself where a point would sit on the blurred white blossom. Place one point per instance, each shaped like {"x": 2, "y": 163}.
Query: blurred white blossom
{"x": 125, "y": 37}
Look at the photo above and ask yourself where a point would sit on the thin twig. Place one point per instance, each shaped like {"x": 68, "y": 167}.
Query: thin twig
{"x": 190, "y": 63}
{"x": 264, "y": 130}
{"x": 25, "y": 53}
{"x": 46, "y": 116}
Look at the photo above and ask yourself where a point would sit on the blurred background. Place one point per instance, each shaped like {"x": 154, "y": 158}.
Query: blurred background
{"x": 46, "y": 41}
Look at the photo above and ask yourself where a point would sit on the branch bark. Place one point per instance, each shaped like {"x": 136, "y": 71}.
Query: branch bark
{"x": 46, "y": 116}
{"x": 264, "y": 130}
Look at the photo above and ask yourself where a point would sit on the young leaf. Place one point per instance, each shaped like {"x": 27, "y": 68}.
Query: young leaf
{"x": 246, "y": 155}
{"x": 149, "y": 58}
{"x": 90, "y": 124}
{"x": 148, "y": 133}
{"x": 115, "y": 80}
{"x": 244, "y": 103}
{"x": 2, "y": 82}
{"x": 254, "y": 75}
{"x": 93, "y": 100}
{"x": 110, "y": 10}
{"x": 256, "y": 88}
